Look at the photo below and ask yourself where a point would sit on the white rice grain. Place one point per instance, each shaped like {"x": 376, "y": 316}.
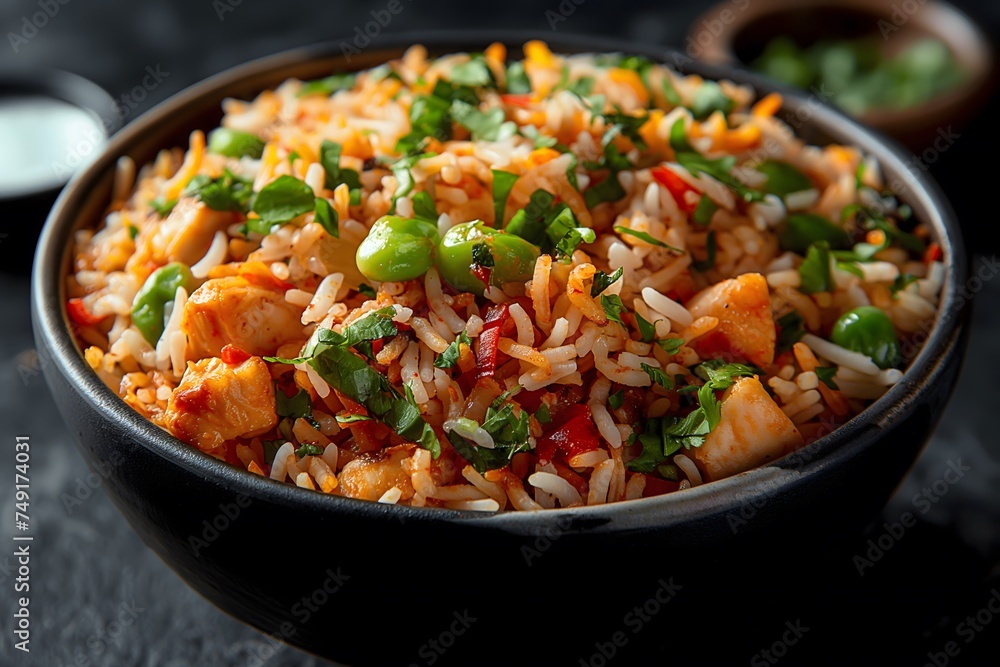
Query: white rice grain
{"x": 876, "y": 272}
{"x": 525, "y": 330}
{"x": 215, "y": 256}
{"x": 323, "y": 299}
{"x": 587, "y": 459}
{"x": 689, "y": 469}
{"x": 279, "y": 467}
{"x": 600, "y": 482}
{"x": 841, "y": 356}
{"x": 557, "y": 486}
{"x": 662, "y": 304}
{"x": 391, "y": 497}
{"x": 476, "y": 434}
{"x": 605, "y": 424}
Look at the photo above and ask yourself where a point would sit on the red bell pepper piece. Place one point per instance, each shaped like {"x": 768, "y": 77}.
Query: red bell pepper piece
{"x": 573, "y": 432}
{"x": 233, "y": 355}
{"x": 482, "y": 272}
{"x": 516, "y": 100}
{"x": 933, "y": 253}
{"x": 657, "y": 487}
{"x": 677, "y": 187}
{"x": 79, "y": 313}
{"x": 489, "y": 339}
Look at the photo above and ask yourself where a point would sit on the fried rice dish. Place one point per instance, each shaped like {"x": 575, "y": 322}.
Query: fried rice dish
{"x": 486, "y": 283}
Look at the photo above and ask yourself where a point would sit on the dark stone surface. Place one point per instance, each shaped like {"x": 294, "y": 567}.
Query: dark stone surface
{"x": 91, "y": 575}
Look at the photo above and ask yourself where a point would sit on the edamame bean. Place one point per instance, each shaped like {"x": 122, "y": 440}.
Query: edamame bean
{"x": 397, "y": 249}
{"x": 234, "y": 143}
{"x": 868, "y": 330}
{"x": 150, "y": 302}
{"x": 513, "y": 258}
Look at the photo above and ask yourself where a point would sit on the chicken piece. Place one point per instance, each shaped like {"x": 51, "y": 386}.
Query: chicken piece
{"x": 372, "y": 474}
{"x": 753, "y": 430}
{"x": 234, "y": 311}
{"x": 746, "y": 327}
{"x": 183, "y": 236}
{"x": 216, "y": 402}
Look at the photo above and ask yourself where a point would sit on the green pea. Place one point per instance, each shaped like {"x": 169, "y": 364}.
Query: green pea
{"x": 512, "y": 258}
{"x": 801, "y": 230}
{"x": 150, "y": 302}
{"x": 234, "y": 143}
{"x": 868, "y": 330}
{"x": 397, "y": 249}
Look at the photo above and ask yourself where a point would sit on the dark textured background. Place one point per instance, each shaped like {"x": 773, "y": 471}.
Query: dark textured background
{"x": 90, "y": 570}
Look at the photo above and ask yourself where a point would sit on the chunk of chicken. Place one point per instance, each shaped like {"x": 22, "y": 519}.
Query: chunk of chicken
{"x": 216, "y": 402}
{"x": 235, "y": 311}
{"x": 746, "y": 327}
{"x": 372, "y": 474}
{"x": 753, "y": 430}
{"x": 183, "y": 236}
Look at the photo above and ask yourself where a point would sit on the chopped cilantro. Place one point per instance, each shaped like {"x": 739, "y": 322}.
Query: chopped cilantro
{"x": 404, "y": 178}
{"x": 572, "y": 239}
{"x": 542, "y": 414}
{"x": 704, "y": 211}
{"x": 678, "y": 137}
{"x": 647, "y": 329}
{"x": 329, "y": 157}
{"x": 815, "y": 269}
{"x": 491, "y": 125}
{"x": 450, "y": 356}
{"x": 482, "y": 256}
{"x": 281, "y": 200}
{"x": 328, "y": 85}
{"x": 603, "y": 281}
{"x": 326, "y": 217}
{"x": 616, "y": 399}
{"x": 308, "y": 449}
{"x": 791, "y": 326}
{"x": 825, "y": 375}
{"x": 643, "y": 236}
{"x": 163, "y": 208}
{"x": 657, "y": 376}
{"x": 708, "y": 99}
{"x": 228, "y": 192}
{"x": 474, "y": 72}
{"x": 613, "y": 307}
{"x": 782, "y": 178}
{"x": 671, "y": 345}
{"x": 296, "y": 406}
{"x": 423, "y": 207}
{"x": 517, "y": 79}
{"x": 503, "y": 182}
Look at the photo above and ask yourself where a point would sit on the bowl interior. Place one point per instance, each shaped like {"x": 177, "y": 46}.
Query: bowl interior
{"x": 82, "y": 203}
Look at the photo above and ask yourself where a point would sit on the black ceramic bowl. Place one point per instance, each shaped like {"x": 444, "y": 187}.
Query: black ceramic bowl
{"x": 366, "y": 583}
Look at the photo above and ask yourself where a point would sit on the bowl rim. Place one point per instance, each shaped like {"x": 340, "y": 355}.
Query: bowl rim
{"x": 54, "y": 338}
